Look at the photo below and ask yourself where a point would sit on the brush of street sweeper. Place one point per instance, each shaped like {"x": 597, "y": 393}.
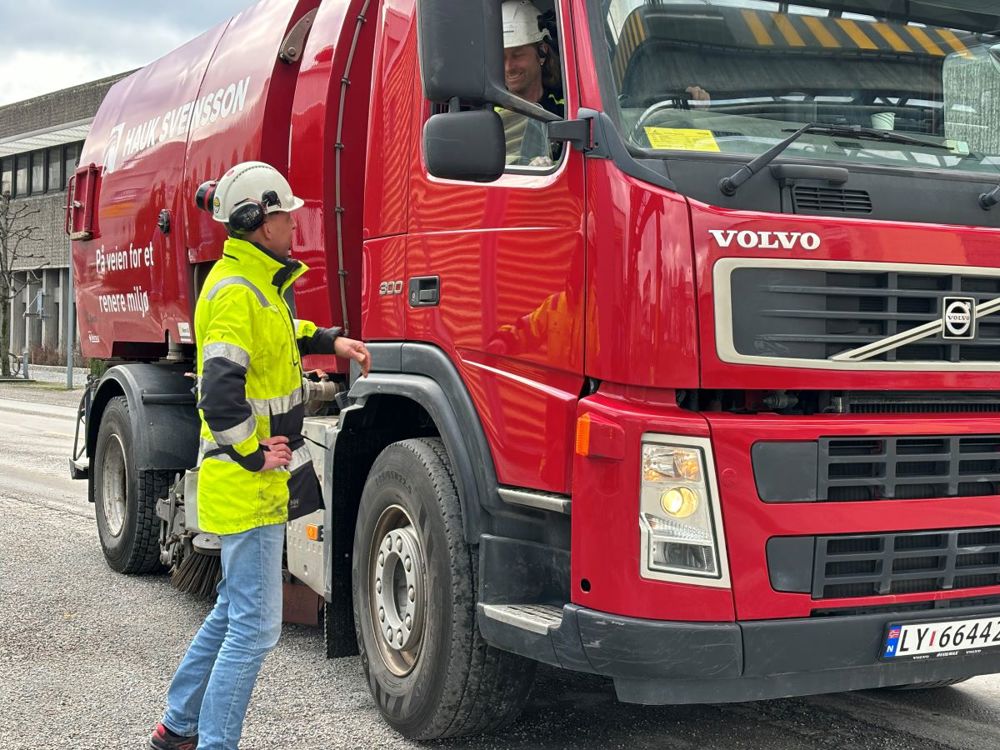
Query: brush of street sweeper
{"x": 200, "y": 569}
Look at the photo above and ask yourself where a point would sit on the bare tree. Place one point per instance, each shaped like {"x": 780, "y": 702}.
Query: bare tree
{"x": 17, "y": 235}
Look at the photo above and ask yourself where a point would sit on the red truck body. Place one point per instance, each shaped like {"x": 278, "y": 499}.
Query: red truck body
{"x": 576, "y": 307}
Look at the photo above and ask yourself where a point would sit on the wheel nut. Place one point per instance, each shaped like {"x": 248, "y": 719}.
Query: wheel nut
{"x": 378, "y": 586}
{"x": 381, "y": 614}
{"x": 409, "y": 623}
{"x": 408, "y": 565}
{"x": 381, "y": 559}
{"x": 411, "y": 594}
{"x": 399, "y": 637}
{"x": 399, "y": 544}
{"x": 388, "y": 634}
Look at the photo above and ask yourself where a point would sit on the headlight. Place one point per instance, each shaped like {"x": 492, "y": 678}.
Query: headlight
{"x": 660, "y": 462}
{"x": 679, "y": 518}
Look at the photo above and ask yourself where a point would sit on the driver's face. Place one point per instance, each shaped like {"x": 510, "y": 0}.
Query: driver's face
{"x": 522, "y": 69}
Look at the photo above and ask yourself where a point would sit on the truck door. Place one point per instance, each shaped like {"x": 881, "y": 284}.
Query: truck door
{"x": 495, "y": 277}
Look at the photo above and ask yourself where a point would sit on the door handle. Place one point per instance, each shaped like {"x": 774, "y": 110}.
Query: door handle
{"x": 425, "y": 291}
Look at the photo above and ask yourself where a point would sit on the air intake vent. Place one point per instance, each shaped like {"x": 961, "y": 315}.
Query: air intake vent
{"x": 830, "y": 200}
{"x": 905, "y": 563}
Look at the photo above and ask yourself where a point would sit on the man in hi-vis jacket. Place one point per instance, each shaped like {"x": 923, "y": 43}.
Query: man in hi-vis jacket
{"x": 255, "y": 469}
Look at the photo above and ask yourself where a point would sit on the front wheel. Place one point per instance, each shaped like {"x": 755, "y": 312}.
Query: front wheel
{"x": 414, "y": 587}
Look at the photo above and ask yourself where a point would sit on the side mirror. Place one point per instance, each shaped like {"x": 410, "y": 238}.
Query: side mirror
{"x": 460, "y": 48}
{"x": 465, "y": 145}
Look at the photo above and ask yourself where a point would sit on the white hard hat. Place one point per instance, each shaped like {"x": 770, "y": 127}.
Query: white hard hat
{"x": 520, "y": 24}
{"x": 253, "y": 183}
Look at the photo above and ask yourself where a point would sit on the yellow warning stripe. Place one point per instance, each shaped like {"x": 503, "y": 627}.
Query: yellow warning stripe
{"x": 891, "y": 37}
{"x": 823, "y": 36}
{"x": 924, "y": 40}
{"x": 757, "y": 28}
{"x": 856, "y": 34}
{"x": 954, "y": 42}
{"x": 632, "y": 35}
{"x": 788, "y": 31}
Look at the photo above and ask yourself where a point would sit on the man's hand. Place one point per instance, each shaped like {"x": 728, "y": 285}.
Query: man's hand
{"x": 699, "y": 95}
{"x": 356, "y": 350}
{"x": 276, "y": 452}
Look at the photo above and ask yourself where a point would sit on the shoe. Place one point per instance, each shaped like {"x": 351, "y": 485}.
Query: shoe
{"x": 164, "y": 739}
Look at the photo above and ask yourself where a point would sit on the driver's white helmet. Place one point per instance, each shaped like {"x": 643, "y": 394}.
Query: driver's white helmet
{"x": 253, "y": 182}
{"x": 520, "y": 24}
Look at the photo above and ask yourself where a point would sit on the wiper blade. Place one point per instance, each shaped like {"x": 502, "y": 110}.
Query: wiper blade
{"x": 729, "y": 185}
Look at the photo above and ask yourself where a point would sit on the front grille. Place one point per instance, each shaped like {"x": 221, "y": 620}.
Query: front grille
{"x": 908, "y": 468}
{"x": 814, "y": 314}
{"x": 907, "y": 563}
{"x": 809, "y": 200}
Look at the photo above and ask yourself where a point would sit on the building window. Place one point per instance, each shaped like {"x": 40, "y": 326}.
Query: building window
{"x": 37, "y": 172}
{"x": 6, "y": 175}
{"x": 55, "y": 181}
{"x": 21, "y": 175}
{"x": 72, "y": 158}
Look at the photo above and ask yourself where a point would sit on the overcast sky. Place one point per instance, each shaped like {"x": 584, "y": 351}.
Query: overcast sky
{"x": 51, "y": 44}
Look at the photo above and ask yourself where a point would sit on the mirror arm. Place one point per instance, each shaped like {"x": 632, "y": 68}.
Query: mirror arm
{"x": 574, "y": 132}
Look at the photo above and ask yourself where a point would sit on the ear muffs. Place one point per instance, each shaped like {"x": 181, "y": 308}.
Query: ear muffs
{"x": 205, "y": 195}
{"x": 249, "y": 215}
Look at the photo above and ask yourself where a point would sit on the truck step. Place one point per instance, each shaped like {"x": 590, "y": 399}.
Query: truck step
{"x": 537, "y": 618}
{"x": 536, "y": 499}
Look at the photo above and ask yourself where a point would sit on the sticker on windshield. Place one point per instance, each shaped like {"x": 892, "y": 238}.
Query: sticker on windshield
{"x": 682, "y": 139}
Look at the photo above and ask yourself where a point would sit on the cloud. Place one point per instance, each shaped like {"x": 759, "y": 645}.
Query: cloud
{"x": 82, "y": 42}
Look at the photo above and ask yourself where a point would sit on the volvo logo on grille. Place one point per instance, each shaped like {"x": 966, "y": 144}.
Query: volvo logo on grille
{"x": 959, "y": 318}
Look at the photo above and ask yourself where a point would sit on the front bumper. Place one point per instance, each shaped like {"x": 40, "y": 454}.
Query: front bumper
{"x": 656, "y": 662}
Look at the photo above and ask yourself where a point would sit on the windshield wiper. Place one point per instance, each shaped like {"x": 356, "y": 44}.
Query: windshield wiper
{"x": 729, "y": 185}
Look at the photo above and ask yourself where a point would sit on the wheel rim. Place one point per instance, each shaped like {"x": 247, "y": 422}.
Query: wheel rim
{"x": 396, "y": 590}
{"x": 114, "y": 486}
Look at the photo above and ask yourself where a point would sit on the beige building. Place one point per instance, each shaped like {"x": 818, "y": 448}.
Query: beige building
{"x": 40, "y": 142}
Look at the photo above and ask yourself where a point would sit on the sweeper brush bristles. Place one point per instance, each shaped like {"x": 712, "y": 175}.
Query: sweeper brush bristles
{"x": 199, "y": 573}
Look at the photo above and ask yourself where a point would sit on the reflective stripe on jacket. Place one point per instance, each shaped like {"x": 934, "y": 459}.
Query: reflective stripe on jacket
{"x": 250, "y": 388}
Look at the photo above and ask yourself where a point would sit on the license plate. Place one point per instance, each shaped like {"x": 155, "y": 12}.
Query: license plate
{"x": 931, "y": 640}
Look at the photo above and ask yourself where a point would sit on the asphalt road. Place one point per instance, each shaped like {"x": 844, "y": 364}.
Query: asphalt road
{"x": 86, "y": 654}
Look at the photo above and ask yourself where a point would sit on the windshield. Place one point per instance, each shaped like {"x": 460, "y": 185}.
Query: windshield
{"x": 724, "y": 76}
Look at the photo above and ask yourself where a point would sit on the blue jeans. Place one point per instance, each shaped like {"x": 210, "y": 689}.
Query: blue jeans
{"x": 211, "y": 689}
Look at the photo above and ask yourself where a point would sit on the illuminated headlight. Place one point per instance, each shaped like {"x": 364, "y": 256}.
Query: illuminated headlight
{"x": 679, "y": 518}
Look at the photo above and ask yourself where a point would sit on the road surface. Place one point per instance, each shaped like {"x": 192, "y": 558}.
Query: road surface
{"x": 86, "y": 654}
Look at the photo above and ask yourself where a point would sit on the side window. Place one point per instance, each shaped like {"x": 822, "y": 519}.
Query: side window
{"x": 6, "y": 175}
{"x": 37, "y": 172}
{"x": 71, "y": 156}
{"x": 532, "y": 71}
{"x": 55, "y": 182}
{"x": 21, "y": 175}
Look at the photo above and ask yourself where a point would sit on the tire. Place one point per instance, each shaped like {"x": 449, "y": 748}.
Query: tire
{"x": 444, "y": 680}
{"x": 125, "y": 499}
{"x": 928, "y": 685}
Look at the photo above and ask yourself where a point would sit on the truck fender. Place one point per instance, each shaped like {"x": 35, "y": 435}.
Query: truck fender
{"x": 162, "y": 410}
{"x": 424, "y": 374}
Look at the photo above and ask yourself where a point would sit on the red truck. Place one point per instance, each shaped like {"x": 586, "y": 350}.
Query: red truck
{"x": 705, "y": 401}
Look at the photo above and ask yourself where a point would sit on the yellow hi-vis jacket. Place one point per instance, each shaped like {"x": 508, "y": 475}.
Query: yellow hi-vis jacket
{"x": 250, "y": 388}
